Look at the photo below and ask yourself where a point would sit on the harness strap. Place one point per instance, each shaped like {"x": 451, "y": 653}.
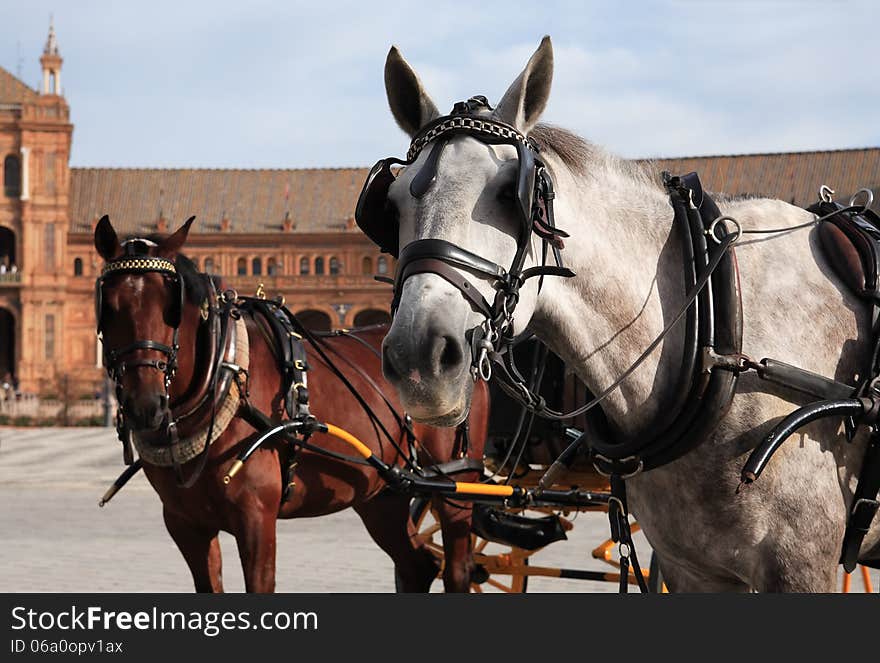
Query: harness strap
{"x": 225, "y": 315}
{"x": 315, "y": 343}
{"x": 405, "y": 426}
{"x": 455, "y": 466}
{"x": 689, "y": 300}
{"x": 864, "y": 505}
{"x": 618, "y": 515}
{"x": 448, "y": 274}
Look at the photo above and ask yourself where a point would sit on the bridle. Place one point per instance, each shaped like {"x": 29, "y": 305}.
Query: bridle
{"x": 136, "y": 261}
{"x": 534, "y": 197}
{"x": 117, "y": 361}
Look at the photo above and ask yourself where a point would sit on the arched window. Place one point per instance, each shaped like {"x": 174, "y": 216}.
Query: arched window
{"x": 257, "y": 267}
{"x": 271, "y": 267}
{"x": 12, "y": 176}
{"x": 382, "y": 265}
{"x": 241, "y": 267}
{"x": 209, "y": 265}
{"x": 77, "y": 267}
{"x": 367, "y": 266}
{"x": 304, "y": 265}
{"x": 319, "y": 265}
{"x": 314, "y": 320}
{"x": 334, "y": 265}
{"x": 7, "y": 247}
{"x": 371, "y": 317}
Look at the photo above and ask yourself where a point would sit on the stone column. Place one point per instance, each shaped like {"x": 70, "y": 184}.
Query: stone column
{"x": 25, "y": 173}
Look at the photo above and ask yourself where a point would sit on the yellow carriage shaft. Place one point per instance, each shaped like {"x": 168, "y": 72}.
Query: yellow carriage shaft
{"x": 404, "y": 480}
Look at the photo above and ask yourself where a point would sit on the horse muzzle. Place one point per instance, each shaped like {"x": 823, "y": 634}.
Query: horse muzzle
{"x": 146, "y": 413}
{"x": 429, "y": 365}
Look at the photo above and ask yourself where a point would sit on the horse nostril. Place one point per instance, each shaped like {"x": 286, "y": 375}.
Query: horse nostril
{"x": 447, "y": 354}
{"x": 389, "y": 363}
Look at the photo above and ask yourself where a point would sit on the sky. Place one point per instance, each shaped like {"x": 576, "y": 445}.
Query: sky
{"x": 269, "y": 84}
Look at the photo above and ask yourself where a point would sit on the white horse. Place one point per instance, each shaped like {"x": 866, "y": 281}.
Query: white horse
{"x": 784, "y": 532}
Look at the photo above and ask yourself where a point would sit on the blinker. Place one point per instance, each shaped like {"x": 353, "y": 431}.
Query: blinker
{"x": 370, "y": 210}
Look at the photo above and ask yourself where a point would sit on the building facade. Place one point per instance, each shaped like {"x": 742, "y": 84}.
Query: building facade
{"x": 292, "y": 231}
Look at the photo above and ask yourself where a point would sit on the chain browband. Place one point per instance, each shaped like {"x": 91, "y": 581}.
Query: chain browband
{"x": 139, "y": 264}
{"x": 466, "y": 124}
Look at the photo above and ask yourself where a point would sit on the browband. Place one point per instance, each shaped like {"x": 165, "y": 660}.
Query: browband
{"x": 449, "y": 124}
{"x": 139, "y": 264}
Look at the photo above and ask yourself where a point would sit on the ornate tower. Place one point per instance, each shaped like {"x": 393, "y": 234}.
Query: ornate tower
{"x": 51, "y": 63}
{"x": 44, "y": 136}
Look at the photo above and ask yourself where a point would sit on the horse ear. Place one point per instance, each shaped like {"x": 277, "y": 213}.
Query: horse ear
{"x": 173, "y": 243}
{"x": 410, "y": 104}
{"x": 526, "y": 98}
{"x": 106, "y": 241}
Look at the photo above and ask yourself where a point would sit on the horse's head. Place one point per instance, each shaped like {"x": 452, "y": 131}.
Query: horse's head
{"x": 139, "y": 305}
{"x": 472, "y": 189}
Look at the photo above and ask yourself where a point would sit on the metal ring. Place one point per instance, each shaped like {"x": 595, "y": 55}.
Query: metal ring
{"x": 636, "y": 471}
{"x": 600, "y": 471}
{"x": 869, "y": 199}
{"x": 620, "y": 550}
{"x": 826, "y": 193}
{"x": 612, "y": 498}
{"x": 715, "y": 238}
{"x": 484, "y": 365}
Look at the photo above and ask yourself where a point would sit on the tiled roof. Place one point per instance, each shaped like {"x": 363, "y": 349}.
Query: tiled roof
{"x": 794, "y": 177}
{"x": 253, "y": 201}
{"x": 322, "y": 200}
{"x": 13, "y": 91}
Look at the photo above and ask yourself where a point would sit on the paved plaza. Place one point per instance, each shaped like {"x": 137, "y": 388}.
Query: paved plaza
{"x": 55, "y": 538}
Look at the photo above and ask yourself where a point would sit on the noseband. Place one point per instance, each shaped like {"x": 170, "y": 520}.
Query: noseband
{"x": 136, "y": 261}
{"x": 534, "y": 197}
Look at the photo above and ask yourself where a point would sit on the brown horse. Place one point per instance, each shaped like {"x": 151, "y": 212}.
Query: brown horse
{"x": 142, "y": 316}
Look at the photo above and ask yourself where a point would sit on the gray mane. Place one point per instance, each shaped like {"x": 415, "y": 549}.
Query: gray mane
{"x": 585, "y": 158}
{"x": 571, "y": 149}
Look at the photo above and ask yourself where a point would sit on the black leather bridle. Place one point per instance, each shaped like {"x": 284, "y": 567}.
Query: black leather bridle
{"x": 534, "y": 197}
{"x": 136, "y": 260}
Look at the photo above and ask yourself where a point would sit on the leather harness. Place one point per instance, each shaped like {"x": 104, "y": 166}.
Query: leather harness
{"x": 219, "y": 311}
{"x": 712, "y": 358}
